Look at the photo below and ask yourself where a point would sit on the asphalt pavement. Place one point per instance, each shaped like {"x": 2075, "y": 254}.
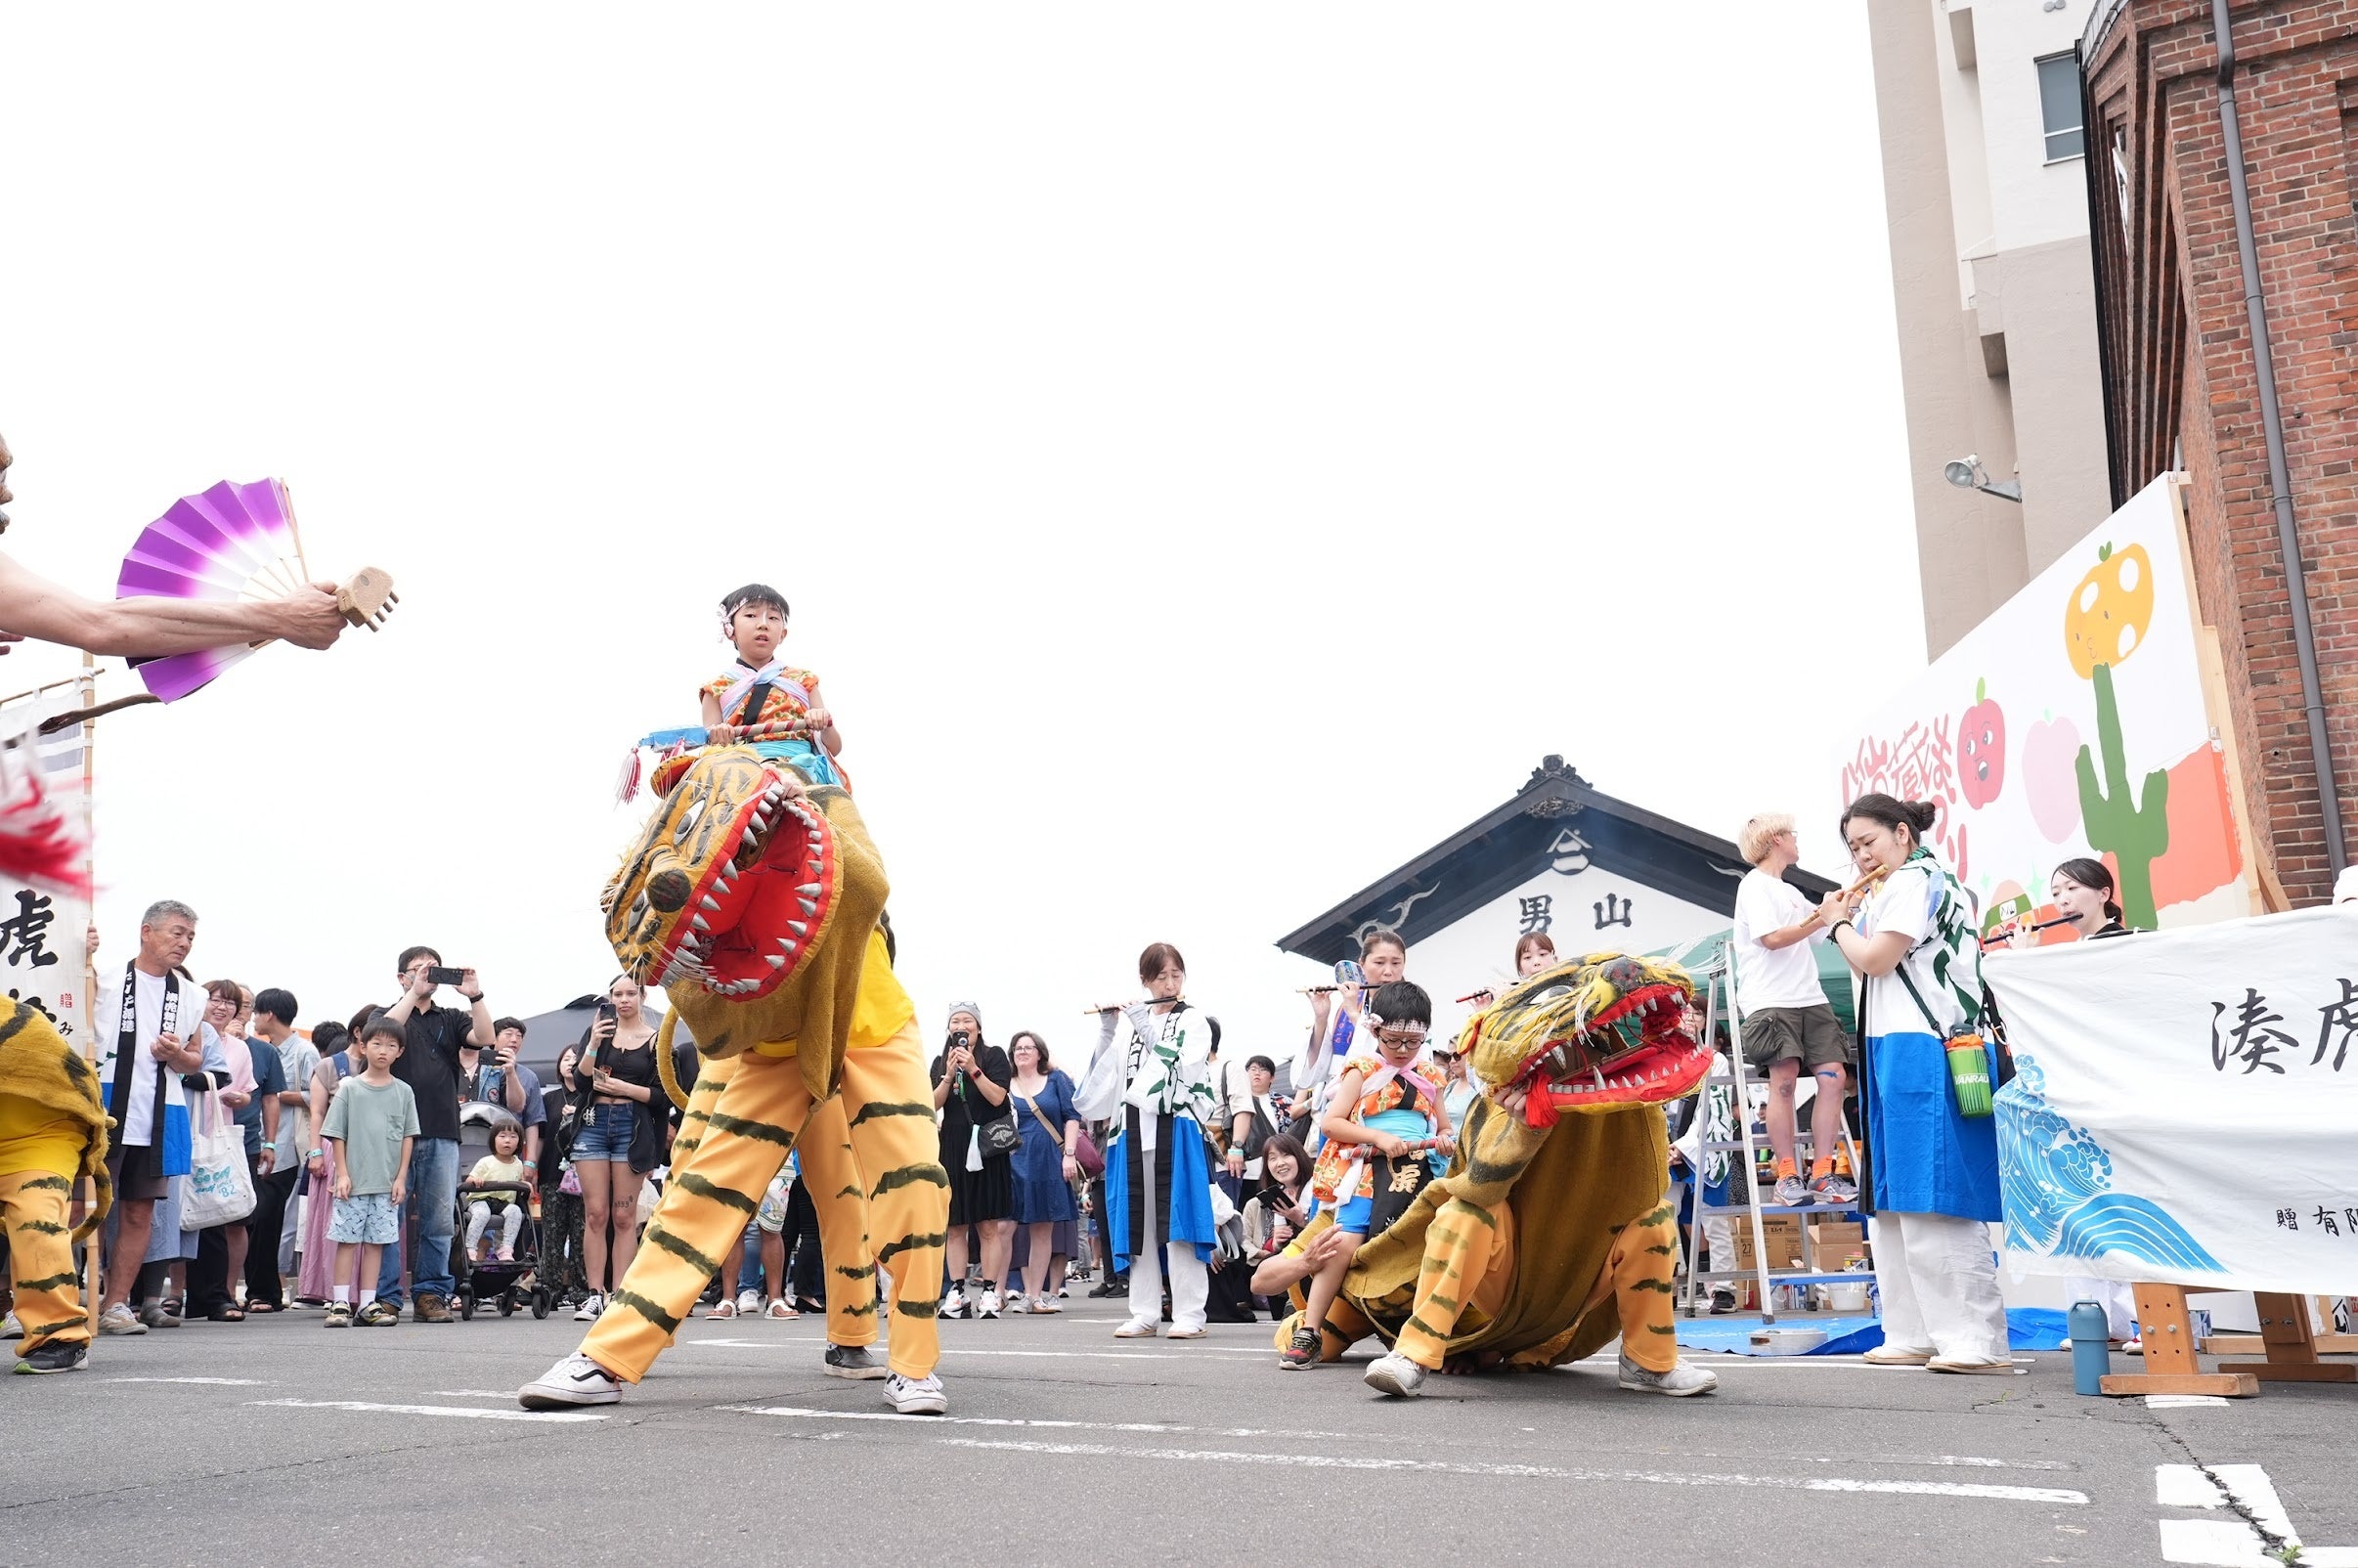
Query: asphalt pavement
{"x": 276, "y": 1442}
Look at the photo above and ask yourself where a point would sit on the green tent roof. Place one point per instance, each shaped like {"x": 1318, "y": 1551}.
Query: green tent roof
{"x": 1706, "y": 955}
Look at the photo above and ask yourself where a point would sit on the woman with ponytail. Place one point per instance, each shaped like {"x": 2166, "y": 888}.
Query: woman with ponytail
{"x": 1934, "y": 1177}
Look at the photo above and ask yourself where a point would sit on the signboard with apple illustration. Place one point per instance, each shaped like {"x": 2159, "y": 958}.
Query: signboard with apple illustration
{"x": 2071, "y": 722}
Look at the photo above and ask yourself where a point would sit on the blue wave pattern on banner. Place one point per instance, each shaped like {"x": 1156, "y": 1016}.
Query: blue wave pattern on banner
{"x": 2057, "y": 1180}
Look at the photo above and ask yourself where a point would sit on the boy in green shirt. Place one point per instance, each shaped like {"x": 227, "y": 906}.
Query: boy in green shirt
{"x": 370, "y": 1129}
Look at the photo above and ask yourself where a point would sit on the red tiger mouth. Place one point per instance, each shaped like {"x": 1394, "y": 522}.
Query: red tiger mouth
{"x": 1633, "y": 1053}
{"x": 740, "y": 926}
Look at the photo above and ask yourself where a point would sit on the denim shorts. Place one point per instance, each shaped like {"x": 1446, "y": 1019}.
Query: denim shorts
{"x": 605, "y": 1133}
{"x": 366, "y": 1217}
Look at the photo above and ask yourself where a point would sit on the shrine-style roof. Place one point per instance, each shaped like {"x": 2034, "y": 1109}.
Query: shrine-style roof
{"x": 1556, "y": 814}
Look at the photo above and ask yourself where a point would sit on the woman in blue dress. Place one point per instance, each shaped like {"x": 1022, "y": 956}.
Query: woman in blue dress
{"x": 1043, "y": 1167}
{"x": 1934, "y": 1187}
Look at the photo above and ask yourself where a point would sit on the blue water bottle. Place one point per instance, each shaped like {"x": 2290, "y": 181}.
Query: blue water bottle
{"x": 2091, "y": 1347}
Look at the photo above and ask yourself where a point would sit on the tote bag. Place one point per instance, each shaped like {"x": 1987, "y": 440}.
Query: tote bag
{"x": 220, "y": 1190}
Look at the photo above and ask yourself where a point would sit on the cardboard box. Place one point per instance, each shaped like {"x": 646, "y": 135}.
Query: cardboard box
{"x": 1833, "y": 1244}
{"x": 1784, "y": 1234}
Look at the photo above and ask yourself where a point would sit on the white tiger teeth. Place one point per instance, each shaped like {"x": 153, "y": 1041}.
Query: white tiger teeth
{"x": 697, "y": 920}
{"x": 809, "y": 889}
{"x": 797, "y": 927}
{"x": 776, "y": 962}
{"x": 789, "y": 945}
{"x": 808, "y": 908}
{"x": 709, "y": 903}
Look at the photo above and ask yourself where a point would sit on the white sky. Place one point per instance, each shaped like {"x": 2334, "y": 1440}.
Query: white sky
{"x": 1213, "y": 452}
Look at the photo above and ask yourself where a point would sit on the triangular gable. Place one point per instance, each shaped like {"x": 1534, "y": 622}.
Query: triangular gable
{"x": 1557, "y": 820}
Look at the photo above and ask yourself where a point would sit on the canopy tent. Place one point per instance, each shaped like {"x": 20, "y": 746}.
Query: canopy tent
{"x": 1707, "y": 954}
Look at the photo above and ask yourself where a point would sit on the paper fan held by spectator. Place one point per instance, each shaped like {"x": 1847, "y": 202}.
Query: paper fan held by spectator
{"x": 234, "y": 542}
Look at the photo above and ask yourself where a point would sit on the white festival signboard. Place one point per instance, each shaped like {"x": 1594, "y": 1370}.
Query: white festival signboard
{"x": 2185, "y": 1105}
{"x": 2071, "y": 722}
{"x": 41, "y": 952}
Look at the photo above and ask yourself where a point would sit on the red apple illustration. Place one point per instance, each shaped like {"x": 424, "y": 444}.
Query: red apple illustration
{"x": 1982, "y": 749}
{"x": 2050, "y": 748}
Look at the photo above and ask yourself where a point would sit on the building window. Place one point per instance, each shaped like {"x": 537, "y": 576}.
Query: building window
{"x": 2059, "y": 107}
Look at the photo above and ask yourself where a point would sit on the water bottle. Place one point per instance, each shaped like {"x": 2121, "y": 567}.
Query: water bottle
{"x": 2091, "y": 1349}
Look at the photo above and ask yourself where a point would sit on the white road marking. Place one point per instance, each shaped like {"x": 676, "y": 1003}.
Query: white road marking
{"x": 2182, "y": 1401}
{"x": 470, "y": 1393}
{"x": 1044, "y": 1355}
{"x": 954, "y": 1350}
{"x": 226, "y": 1382}
{"x": 2185, "y": 1486}
{"x": 997, "y": 1420}
{"x": 367, "y": 1406}
{"x": 1336, "y": 1461}
{"x": 2232, "y": 1543}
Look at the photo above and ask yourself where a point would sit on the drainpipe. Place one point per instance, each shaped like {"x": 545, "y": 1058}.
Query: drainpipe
{"x": 2272, "y": 421}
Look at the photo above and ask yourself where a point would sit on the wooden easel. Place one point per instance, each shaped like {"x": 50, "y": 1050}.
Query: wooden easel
{"x": 2291, "y": 1346}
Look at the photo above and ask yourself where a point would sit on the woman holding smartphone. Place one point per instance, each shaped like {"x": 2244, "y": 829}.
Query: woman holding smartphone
{"x": 971, "y": 1081}
{"x": 618, "y": 1136}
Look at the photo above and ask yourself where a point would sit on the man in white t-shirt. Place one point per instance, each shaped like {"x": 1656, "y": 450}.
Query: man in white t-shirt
{"x": 1788, "y": 1022}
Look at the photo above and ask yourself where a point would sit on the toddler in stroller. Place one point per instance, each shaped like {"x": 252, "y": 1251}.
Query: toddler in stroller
{"x": 495, "y": 1195}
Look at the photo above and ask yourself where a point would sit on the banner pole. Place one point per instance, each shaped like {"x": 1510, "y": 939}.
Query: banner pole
{"x": 87, "y": 693}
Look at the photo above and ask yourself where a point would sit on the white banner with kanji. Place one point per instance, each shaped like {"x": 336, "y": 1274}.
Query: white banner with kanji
{"x": 2185, "y": 1105}
{"x": 42, "y": 955}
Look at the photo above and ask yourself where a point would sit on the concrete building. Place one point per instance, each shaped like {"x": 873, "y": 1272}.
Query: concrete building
{"x": 2194, "y": 385}
{"x": 1984, "y": 186}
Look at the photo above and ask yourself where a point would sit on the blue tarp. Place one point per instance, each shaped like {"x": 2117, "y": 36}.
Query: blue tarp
{"x": 2027, "y": 1329}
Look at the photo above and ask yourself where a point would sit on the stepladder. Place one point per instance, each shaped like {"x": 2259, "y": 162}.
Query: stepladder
{"x": 1729, "y": 1153}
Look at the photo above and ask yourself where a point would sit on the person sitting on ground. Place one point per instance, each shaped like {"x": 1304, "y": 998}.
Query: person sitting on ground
{"x": 505, "y": 1164}
{"x": 1384, "y": 1117}
{"x": 370, "y": 1129}
{"x": 1788, "y": 1024}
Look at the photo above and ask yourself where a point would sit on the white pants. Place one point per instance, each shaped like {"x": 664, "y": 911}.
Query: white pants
{"x": 2120, "y": 1303}
{"x": 479, "y": 1215}
{"x": 1938, "y": 1282}
{"x": 1191, "y": 1283}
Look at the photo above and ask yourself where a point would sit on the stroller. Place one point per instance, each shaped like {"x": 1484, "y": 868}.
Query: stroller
{"x": 503, "y": 1282}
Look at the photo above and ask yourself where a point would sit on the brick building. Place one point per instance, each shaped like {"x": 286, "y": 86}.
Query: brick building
{"x": 2182, "y": 387}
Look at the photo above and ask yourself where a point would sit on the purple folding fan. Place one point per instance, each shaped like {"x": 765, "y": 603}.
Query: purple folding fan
{"x": 234, "y": 542}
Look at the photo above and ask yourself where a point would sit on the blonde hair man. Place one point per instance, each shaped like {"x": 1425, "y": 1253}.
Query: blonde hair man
{"x": 1787, "y": 1022}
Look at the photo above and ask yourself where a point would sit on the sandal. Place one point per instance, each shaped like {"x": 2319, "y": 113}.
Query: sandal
{"x": 723, "y": 1308}
{"x": 225, "y": 1315}
{"x": 780, "y": 1312}
{"x": 253, "y": 1307}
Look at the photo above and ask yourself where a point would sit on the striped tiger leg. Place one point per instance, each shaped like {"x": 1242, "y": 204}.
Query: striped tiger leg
{"x": 49, "y": 1297}
{"x": 1457, "y": 1247}
{"x": 742, "y": 1142}
{"x": 1639, "y": 1272}
{"x": 832, "y": 1175}
{"x": 889, "y": 1103}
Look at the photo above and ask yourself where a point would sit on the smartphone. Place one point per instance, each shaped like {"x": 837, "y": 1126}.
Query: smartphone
{"x": 442, "y": 975}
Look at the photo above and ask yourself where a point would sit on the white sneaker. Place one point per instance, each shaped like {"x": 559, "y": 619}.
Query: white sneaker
{"x": 1016, "y": 1304}
{"x": 953, "y": 1305}
{"x": 1138, "y": 1329}
{"x": 590, "y": 1307}
{"x": 989, "y": 1305}
{"x": 120, "y": 1319}
{"x": 915, "y": 1396}
{"x": 575, "y": 1381}
{"x": 1045, "y": 1304}
{"x": 748, "y": 1303}
{"x": 1395, "y": 1374}
{"x": 1680, "y": 1379}
{"x": 10, "y": 1327}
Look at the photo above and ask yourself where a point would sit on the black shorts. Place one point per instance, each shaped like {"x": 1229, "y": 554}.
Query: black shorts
{"x": 143, "y": 1188}
{"x": 1810, "y": 1036}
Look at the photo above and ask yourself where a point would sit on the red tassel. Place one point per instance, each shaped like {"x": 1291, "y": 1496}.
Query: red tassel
{"x": 1539, "y": 1109}
{"x": 38, "y": 843}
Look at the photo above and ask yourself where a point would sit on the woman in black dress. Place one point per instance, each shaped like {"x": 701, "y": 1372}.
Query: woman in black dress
{"x": 970, "y": 1090}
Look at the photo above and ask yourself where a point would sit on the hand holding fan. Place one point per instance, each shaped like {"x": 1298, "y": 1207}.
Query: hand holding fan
{"x": 233, "y": 544}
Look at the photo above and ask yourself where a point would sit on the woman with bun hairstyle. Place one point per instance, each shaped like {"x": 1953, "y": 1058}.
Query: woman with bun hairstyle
{"x": 1934, "y": 1185}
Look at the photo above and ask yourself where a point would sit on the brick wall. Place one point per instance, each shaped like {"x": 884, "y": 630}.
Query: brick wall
{"x": 2153, "y": 80}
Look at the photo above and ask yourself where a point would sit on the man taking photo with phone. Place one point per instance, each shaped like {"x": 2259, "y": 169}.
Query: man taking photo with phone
{"x": 432, "y": 1038}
